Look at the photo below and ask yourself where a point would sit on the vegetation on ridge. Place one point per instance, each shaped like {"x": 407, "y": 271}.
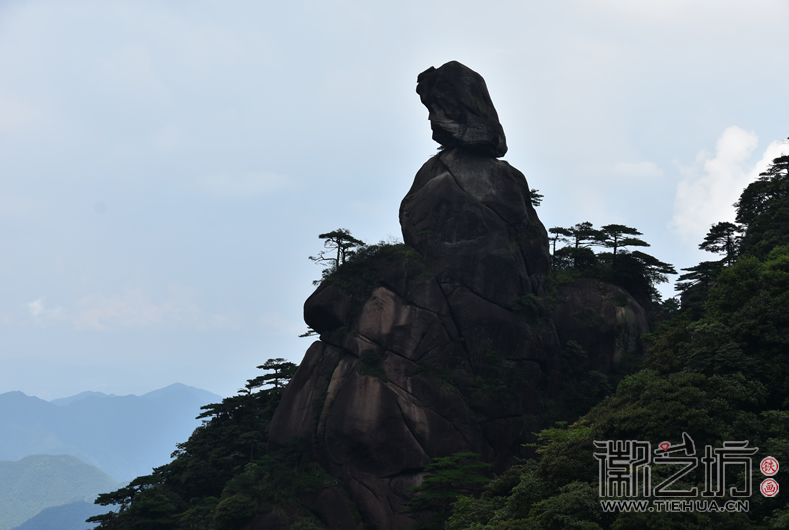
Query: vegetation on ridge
{"x": 637, "y": 272}
{"x": 222, "y": 475}
{"x": 718, "y": 371}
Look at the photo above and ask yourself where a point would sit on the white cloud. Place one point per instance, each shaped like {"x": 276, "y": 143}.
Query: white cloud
{"x": 39, "y": 311}
{"x": 36, "y": 307}
{"x": 640, "y": 170}
{"x": 245, "y": 185}
{"x": 773, "y": 151}
{"x": 709, "y": 189}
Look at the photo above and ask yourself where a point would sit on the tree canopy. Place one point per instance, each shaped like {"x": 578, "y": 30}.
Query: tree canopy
{"x": 616, "y": 237}
{"x": 763, "y": 210}
{"x": 340, "y": 245}
{"x": 281, "y": 372}
{"x": 535, "y": 197}
{"x": 723, "y": 238}
{"x": 446, "y": 479}
{"x": 702, "y": 274}
{"x": 636, "y": 271}
{"x": 719, "y": 374}
{"x": 558, "y": 234}
{"x": 223, "y": 474}
{"x": 583, "y": 234}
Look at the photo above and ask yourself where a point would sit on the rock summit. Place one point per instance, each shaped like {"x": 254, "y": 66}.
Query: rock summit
{"x": 440, "y": 345}
{"x": 461, "y": 112}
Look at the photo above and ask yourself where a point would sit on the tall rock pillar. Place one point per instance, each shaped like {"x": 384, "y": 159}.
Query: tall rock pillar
{"x": 440, "y": 345}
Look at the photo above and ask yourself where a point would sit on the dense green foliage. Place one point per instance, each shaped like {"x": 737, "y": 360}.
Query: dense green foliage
{"x": 763, "y": 210}
{"x": 445, "y": 480}
{"x": 222, "y": 475}
{"x": 636, "y": 271}
{"x": 719, "y": 372}
{"x": 535, "y": 197}
{"x": 358, "y": 272}
{"x": 339, "y": 245}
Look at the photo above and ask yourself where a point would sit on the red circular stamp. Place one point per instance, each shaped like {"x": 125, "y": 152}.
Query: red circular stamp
{"x": 769, "y": 487}
{"x": 769, "y": 466}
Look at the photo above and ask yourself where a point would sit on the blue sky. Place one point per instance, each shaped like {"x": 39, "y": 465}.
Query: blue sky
{"x": 166, "y": 167}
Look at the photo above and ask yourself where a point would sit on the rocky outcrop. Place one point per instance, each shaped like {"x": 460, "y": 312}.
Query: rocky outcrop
{"x": 461, "y": 112}
{"x": 442, "y": 344}
{"x": 601, "y": 318}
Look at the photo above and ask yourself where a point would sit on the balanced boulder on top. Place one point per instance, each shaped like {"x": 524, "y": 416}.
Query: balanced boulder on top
{"x": 443, "y": 344}
{"x": 461, "y": 112}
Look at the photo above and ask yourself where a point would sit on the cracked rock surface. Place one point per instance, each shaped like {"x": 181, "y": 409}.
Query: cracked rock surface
{"x": 440, "y": 332}
{"x": 433, "y": 355}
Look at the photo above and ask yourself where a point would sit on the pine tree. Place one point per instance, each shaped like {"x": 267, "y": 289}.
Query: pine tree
{"x": 702, "y": 274}
{"x": 281, "y": 372}
{"x": 559, "y": 234}
{"x": 723, "y": 238}
{"x": 583, "y": 234}
{"x": 446, "y": 479}
{"x": 340, "y": 243}
{"x": 535, "y": 197}
{"x": 616, "y": 236}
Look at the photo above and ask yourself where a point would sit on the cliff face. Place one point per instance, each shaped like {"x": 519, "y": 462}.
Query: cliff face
{"x": 440, "y": 345}
{"x": 603, "y": 318}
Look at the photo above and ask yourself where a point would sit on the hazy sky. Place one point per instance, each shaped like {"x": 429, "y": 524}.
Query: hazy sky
{"x": 166, "y": 167}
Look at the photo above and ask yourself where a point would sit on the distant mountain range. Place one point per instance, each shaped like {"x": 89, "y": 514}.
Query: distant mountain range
{"x": 61, "y": 402}
{"x": 124, "y": 436}
{"x": 69, "y": 516}
{"x": 34, "y": 483}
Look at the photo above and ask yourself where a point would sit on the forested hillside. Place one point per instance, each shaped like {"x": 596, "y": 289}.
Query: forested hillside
{"x": 718, "y": 370}
{"x": 222, "y": 476}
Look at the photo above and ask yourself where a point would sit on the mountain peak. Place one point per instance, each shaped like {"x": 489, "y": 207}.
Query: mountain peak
{"x": 182, "y": 389}
{"x": 62, "y": 402}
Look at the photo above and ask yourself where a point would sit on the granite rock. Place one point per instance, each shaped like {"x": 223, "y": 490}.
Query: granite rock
{"x": 430, "y": 351}
{"x": 461, "y": 111}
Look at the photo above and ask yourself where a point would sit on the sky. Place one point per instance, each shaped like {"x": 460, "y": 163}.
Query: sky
{"x": 166, "y": 167}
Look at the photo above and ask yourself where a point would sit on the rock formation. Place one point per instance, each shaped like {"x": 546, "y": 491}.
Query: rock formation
{"x": 461, "y": 112}
{"x": 603, "y": 318}
{"x": 440, "y": 345}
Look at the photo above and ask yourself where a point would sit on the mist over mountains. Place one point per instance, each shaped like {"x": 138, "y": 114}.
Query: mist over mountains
{"x": 35, "y": 483}
{"x": 124, "y": 436}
